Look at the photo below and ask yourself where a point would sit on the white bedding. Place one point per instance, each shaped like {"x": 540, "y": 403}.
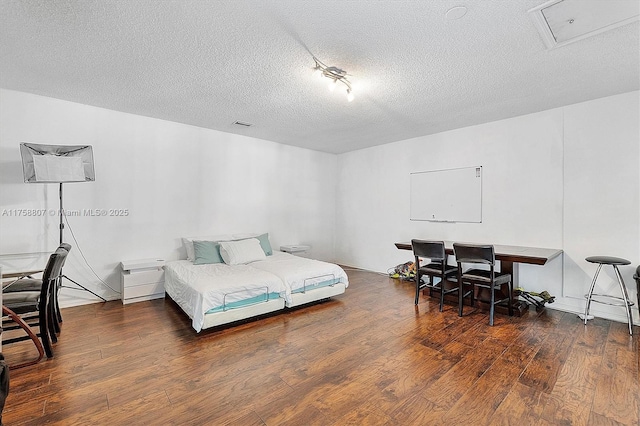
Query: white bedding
{"x": 299, "y": 272}
{"x": 199, "y": 288}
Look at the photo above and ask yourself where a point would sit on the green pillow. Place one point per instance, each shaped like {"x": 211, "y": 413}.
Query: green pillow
{"x": 265, "y": 244}
{"x": 206, "y": 252}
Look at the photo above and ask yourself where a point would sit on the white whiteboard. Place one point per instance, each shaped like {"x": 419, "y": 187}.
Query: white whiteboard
{"x": 452, "y": 195}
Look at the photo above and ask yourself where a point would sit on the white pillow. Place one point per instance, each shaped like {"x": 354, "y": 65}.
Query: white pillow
{"x": 243, "y": 251}
{"x": 243, "y": 236}
{"x": 188, "y": 243}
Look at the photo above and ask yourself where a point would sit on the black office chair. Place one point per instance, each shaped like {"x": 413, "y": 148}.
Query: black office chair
{"x": 29, "y": 309}
{"x": 30, "y": 284}
{"x": 437, "y": 268}
{"x": 4, "y": 384}
{"x": 636, "y": 277}
{"x": 483, "y": 255}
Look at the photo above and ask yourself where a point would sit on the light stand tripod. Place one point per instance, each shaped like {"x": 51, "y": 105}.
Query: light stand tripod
{"x": 62, "y": 275}
{"x": 59, "y": 164}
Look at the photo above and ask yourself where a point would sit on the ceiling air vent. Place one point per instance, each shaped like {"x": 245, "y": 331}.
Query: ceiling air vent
{"x": 562, "y": 22}
{"x": 242, "y": 123}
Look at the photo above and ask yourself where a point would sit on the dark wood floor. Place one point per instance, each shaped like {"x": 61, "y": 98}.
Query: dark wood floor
{"x": 365, "y": 357}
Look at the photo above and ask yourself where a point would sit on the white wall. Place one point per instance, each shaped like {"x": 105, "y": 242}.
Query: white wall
{"x": 601, "y": 203}
{"x": 175, "y": 180}
{"x": 565, "y": 178}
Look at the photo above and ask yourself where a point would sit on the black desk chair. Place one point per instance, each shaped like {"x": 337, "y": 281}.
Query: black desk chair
{"x": 437, "y": 268}
{"x": 4, "y": 384}
{"x": 29, "y": 309}
{"x": 489, "y": 279}
{"x": 29, "y": 284}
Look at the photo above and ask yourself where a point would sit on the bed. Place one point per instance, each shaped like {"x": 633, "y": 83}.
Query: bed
{"x": 307, "y": 280}
{"x": 223, "y": 284}
{"x": 215, "y": 294}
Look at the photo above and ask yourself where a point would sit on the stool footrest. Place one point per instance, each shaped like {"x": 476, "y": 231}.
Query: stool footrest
{"x": 611, "y": 302}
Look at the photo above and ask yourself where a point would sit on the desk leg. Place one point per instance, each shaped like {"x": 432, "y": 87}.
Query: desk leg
{"x": 519, "y": 306}
{"x": 511, "y": 268}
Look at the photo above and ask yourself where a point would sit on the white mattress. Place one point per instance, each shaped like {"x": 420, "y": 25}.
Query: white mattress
{"x": 199, "y": 288}
{"x": 299, "y": 273}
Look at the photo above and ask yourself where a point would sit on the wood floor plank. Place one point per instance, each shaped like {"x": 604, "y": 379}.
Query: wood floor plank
{"x": 148, "y": 410}
{"x": 418, "y": 410}
{"x": 244, "y": 418}
{"x": 422, "y": 374}
{"x": 543, "y": 370}
{"x": 294, "y": 409}
{"x": 597, "y": 419}
{"x": 437, "y": 338}
{"x": 369, "y": 356}
{"x": 574, "y": 388}
{"x": 617, "y": 393}
{"x": 450, "y": 387}
{"x": 338, "y": 399}
{"x": 523, "y": 405}
{"x": 491, "y": 388}
{"x": 367, "y": 413}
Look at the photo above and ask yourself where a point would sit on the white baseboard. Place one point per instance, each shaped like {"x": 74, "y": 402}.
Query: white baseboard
{"x": 577, "y": 305}
{"x": 71, "y": 302}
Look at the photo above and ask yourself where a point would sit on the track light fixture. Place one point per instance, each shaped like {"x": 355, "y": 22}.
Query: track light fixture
{"x": 336, "y": 75}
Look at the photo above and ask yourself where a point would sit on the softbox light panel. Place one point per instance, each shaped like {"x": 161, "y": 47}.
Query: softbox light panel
{"x": 57, "y": 163}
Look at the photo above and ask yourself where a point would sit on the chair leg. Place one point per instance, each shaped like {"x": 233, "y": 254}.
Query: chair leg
{"x": 442, "y": 281}
{"x": 625, "y": 297}
{"x": 51, "y": 321}
{"x": 44, "y": 331}
{"x": 460, "y": 296}
{"x": 16, "y": 318}
{"x": 493, "y": 305}
{"x": 510, "y": 289}
{"x": 418, "y": 279}
{"x": 53, "y": 325}
{"x": 56, "y": 304}
{"x": 590, "y": 294}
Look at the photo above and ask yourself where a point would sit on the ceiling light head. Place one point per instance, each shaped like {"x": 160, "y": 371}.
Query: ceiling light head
{"x": 349, "y": 95}
{"x": 335, "y": 74}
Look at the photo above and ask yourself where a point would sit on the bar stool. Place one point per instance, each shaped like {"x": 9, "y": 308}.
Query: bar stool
{"x": 612, "y": 300}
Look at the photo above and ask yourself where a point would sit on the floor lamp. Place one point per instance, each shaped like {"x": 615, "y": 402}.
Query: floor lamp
{"x": 59, "y": 164}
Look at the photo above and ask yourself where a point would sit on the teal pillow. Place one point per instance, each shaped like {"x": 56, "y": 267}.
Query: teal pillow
{"x": 265, "y": 244}
{"x": 206, "y": 252}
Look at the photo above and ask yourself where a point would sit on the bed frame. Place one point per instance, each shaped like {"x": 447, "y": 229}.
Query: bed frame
{"x": 272, "y": 305}
{"x": 311, "y": 293}
{"x": 237, "y": 314}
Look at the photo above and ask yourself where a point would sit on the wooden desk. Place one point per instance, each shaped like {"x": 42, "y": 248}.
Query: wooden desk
{"x": 509, "y": 257}
{"x": 508, "y": 254}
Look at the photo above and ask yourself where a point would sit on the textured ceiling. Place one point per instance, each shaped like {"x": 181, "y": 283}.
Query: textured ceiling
{"x": 210, "y": 63}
